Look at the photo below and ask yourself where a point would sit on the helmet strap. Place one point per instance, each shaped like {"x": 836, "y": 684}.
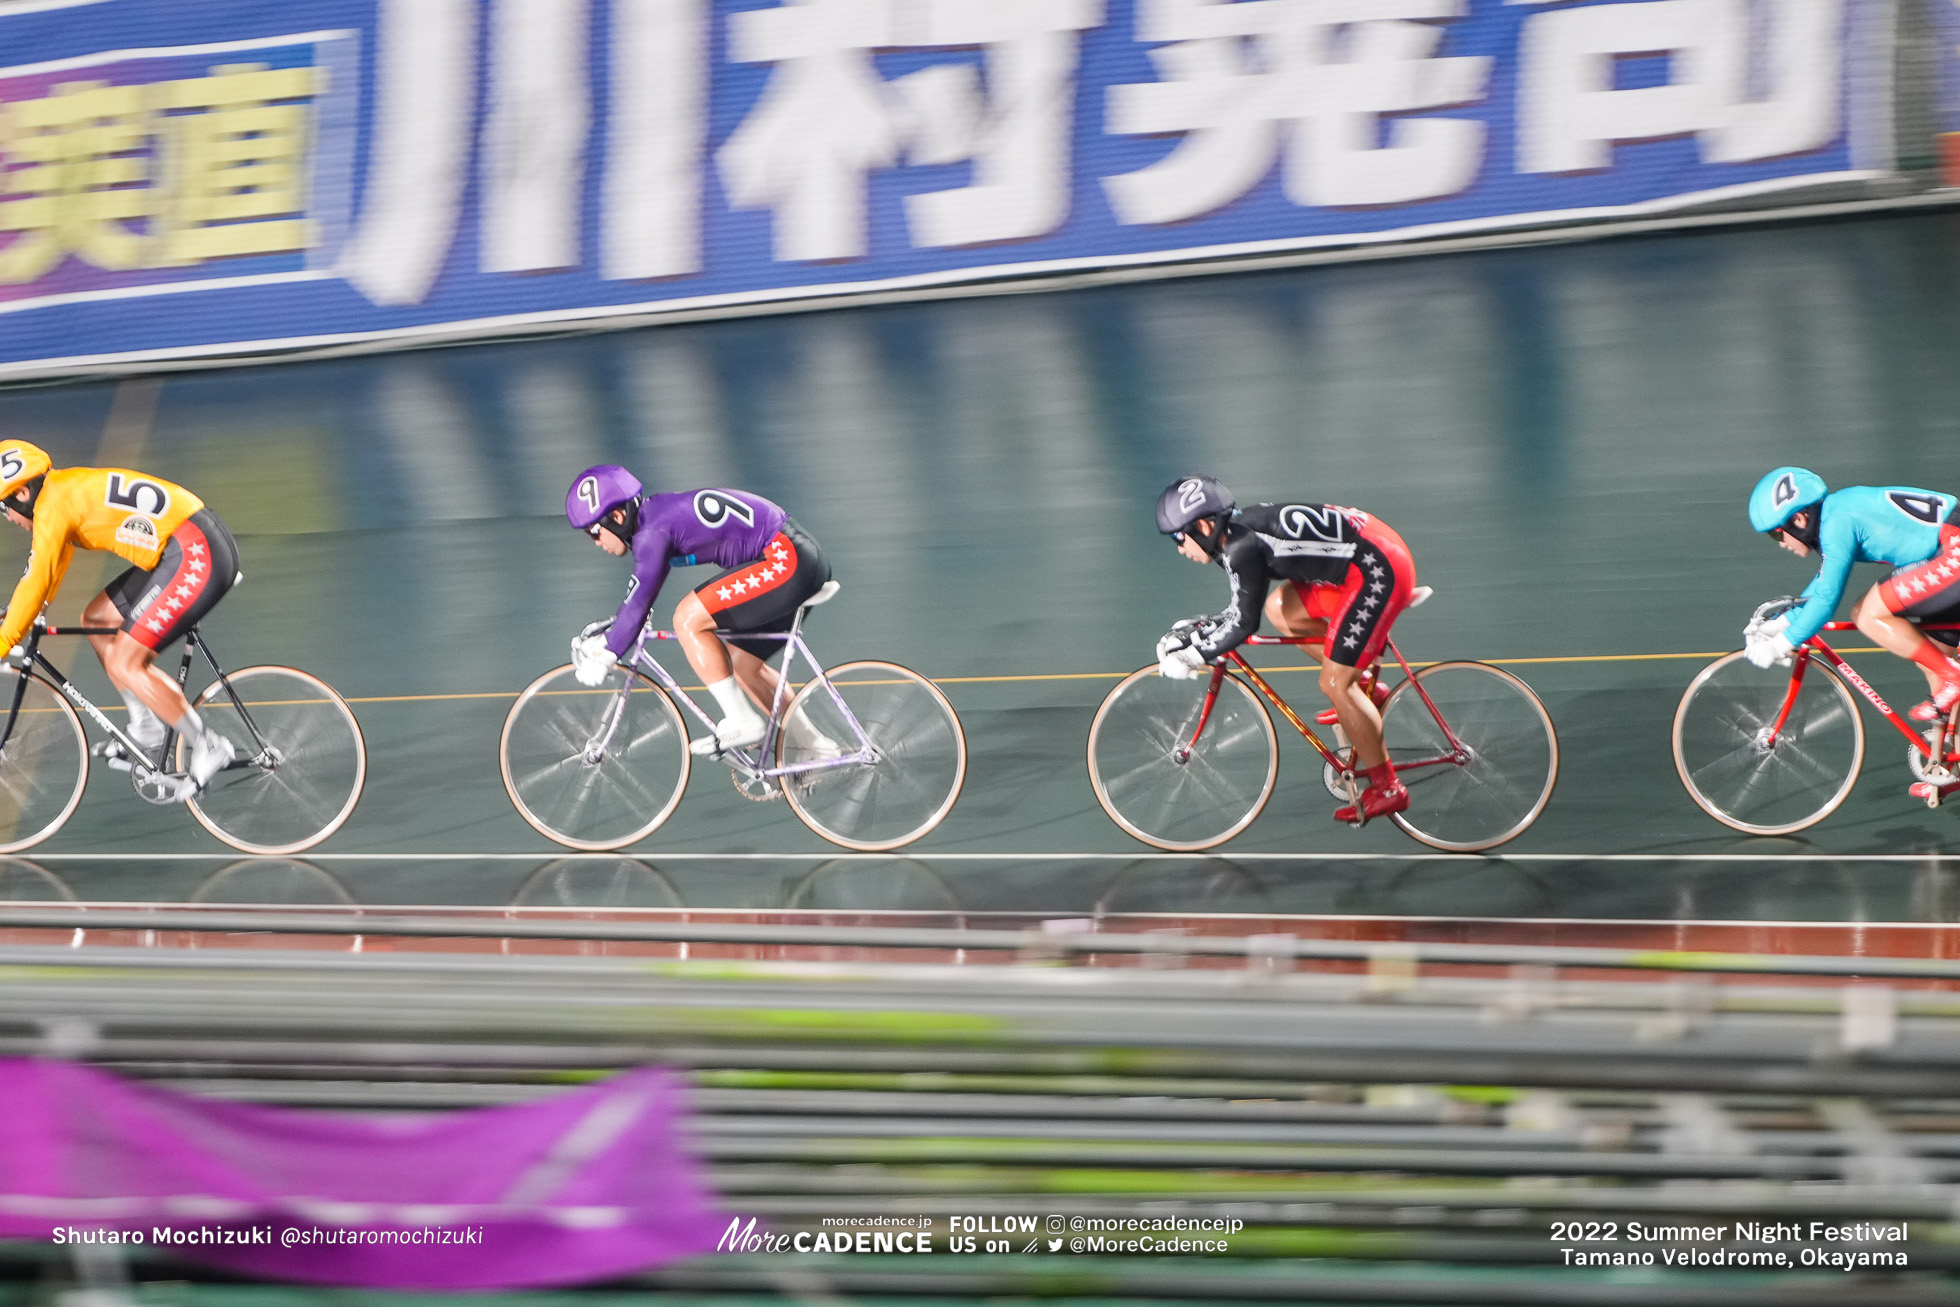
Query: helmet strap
{"x": 1807, "y": 533}
{"x": 32, "y": 490}
{"x": 624, "y": 531}
{"x": 1213, "y": 543}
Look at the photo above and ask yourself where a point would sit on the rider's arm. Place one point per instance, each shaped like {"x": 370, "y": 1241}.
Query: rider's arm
{"x": 1245, "y": 566}
{"x": 46, "y": 562}
{"x": 650, "y": 554}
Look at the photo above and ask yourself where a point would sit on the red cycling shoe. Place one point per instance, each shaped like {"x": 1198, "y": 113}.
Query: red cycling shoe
{"x": 1376, "y": 801}
{"x": 1328, "y": 717}
{"x": 1937, "y": 707}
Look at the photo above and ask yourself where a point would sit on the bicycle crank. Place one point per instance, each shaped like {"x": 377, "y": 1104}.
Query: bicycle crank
{"x": 153, "y": 785}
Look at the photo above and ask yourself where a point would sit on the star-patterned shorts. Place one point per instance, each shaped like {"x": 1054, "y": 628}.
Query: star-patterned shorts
{"x": 1930, "y": 589}
{"x": 199, "y": 563}
{"x": 1364, "y": 605}
{"x": 764, "y": 595}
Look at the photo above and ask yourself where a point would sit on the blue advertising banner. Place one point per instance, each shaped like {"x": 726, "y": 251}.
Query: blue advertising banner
{"x": 247, "y": 175}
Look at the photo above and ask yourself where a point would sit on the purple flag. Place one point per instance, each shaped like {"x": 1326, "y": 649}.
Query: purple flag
{"x": 578, "y": 1187}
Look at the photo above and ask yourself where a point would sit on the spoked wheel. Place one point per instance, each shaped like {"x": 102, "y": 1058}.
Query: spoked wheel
{"x": 1496, "y": 778}
{"x": 1196, "y": 801}
{"x": 300, "y": 760}
{"x": 44, "y": 766}
{"x": 910, "y": 784}
{"x": 1739, "y": 774}
{"x": 594, "y": 768}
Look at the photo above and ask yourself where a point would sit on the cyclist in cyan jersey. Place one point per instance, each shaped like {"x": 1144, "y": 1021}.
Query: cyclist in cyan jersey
{"x": 770, "y": 566}
{"x": 184, "y": 560}
{"x": 1916, "y": 531}
{"x": 1346, "y": 576}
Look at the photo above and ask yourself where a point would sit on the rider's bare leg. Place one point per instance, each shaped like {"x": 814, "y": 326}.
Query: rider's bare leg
{"x": 1288, "y": 616}
{"x": 706, "y": 654}
{"x": 1899, "y": 635}
{"x": 1356, "y": 710}
{"x": 130, "y": 666}
{"x": 758, "y": 678}
{"x": 714, "y": 661}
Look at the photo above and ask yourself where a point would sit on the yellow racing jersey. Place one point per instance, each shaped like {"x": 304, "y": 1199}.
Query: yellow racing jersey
{"x": 126, "y": 513}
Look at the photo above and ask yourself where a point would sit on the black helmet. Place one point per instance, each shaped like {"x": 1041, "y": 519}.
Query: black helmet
{"x": 1187, "y": 499}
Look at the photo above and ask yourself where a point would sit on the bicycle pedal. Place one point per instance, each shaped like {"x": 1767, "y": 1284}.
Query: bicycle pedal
{"x": 113, "y": 754}
{"x": 1926, "y": 791}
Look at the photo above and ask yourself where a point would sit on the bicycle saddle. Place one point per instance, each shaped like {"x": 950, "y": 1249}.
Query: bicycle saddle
{"x": 825, "y": 593}
{"x": 1420, "y": 593}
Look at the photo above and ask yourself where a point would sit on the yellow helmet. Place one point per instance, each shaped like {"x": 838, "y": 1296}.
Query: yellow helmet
{"x": 20, "y": 463}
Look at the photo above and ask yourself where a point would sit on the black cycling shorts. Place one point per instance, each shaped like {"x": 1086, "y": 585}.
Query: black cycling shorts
{"x": 764, "y": 595}
{"x": 199, "y": 563}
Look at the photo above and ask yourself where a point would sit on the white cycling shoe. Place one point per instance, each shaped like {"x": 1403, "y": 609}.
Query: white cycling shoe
{"x": 818, "y": 747}
{"x": 210, "y": 755}
{"x": 729, "y": 734}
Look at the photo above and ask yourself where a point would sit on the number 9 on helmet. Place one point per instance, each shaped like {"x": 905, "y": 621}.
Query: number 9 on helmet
{"x": 597, "y": 491}
{"x": 1783, "y": 494}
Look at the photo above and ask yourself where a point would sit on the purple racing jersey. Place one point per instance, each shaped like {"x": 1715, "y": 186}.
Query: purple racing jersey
{"x": 724, "y": 527}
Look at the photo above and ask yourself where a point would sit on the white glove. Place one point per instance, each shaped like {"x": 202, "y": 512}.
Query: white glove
{"x": 1182, "y": 633}
{"x": 591, "y": 660}
{"x": 1766, "y": 645}
{"x": 1183, "y": 664}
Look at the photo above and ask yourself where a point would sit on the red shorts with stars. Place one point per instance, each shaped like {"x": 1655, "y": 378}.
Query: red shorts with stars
{"x": 1927, "y": 589}
{"x": 199, "y": 563}
{"x": 1364, "y": 605}
{"x": 765, "y": 594}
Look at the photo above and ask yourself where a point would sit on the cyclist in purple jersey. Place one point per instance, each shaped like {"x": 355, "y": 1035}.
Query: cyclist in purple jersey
{"x": 770, "y": 565}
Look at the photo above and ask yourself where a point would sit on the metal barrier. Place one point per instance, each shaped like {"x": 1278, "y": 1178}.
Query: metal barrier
{"x": 1427, "y": 1133}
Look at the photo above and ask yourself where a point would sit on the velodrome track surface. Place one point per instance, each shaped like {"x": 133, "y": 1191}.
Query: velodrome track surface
{"x": 1564, "y": 436}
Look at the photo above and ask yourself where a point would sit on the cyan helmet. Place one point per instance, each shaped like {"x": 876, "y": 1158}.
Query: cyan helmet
{"x": 1782, "y": 494}
{"x": 597, "y": 491}
{"x": 1187, "y": 499}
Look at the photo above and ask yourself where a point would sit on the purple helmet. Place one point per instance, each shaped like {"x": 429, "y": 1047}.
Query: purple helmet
{"x": 597, "y": 491}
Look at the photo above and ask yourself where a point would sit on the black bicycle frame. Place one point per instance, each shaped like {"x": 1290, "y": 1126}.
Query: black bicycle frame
{"x": 193, "y": 644}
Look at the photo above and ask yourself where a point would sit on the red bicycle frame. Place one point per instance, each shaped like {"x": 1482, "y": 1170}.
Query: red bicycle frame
{"x": 1233, "y": 659}
{"x": 1935, "y": 752}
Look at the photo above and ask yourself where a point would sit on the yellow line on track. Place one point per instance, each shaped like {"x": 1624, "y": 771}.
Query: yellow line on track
{"x": 1111, "y": 676}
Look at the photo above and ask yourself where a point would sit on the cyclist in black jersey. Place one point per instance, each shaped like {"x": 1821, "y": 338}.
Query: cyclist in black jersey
{"x": 1345, "y": 576}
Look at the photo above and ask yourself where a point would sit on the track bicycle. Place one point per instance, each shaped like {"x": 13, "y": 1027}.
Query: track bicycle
{"x": 299, "y": 769}
{"x": 1770, "y": 754}
{"x": 869, "y": 755}
{"x": 1186, "y": 765}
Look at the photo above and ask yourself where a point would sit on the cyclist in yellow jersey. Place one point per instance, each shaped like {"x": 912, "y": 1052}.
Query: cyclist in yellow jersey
{"x": 183, "y": 561}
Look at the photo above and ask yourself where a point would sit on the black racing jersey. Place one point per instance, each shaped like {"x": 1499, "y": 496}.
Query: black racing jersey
{"x": 1313, "y": 544}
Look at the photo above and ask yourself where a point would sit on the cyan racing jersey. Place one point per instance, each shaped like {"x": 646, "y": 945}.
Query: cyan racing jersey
{"x": 1899, "y": 525}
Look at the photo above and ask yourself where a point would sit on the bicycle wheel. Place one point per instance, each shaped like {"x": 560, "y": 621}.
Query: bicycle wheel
{"x": 918, "y": 771}
{"x": 43, "y": 768}
{"x": 590, "y": 767}
{"x": 300, "y": 766}
{"x": 1736, "y": 777}
{"x": 1204, "y": 800}
{"x": 1498, "y": 779}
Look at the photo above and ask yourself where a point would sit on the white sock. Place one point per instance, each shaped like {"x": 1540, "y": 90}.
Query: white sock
{"x": 735, "y": 705}
{"x": 190, "y": 725}
{"x": 139, "y": 712}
